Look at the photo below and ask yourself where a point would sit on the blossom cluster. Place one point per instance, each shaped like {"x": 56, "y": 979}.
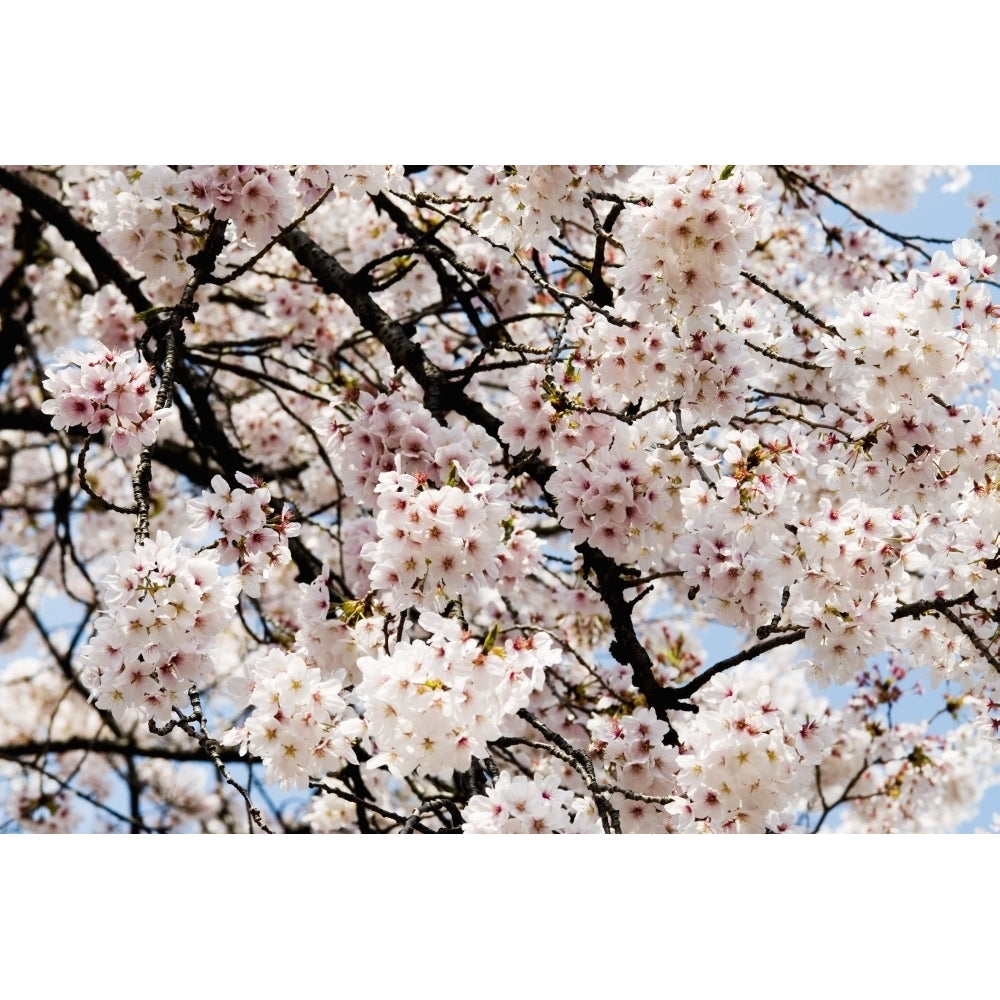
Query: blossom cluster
{"x": 630, "y": 748}
{"x": 108, "y": 317}
{"x": 435, "y": 703}
{"x": 686, "y": 244}
{"x": 331, "y": 636}
{"x": 104, "y": 390}
{"x": 306, "y": 317}
{"x": 902, "y": 777}
{"x": 259, "y": 201}
{"x": 251, "y": 534}
{"x": 152, "y": 218}
{"x": 888, "y": 187}
{"x": 356, "y": 180}
{"x": 556, "y": 409}
{"x": 391, "y": 432}
{"x": 748, "y": 755}
{"x": 891, "y": 368}
{"x": 137, "y": 217}
{"x": 519, "y": 805}
{"x": 187, "y": 798}
{"x": 164, "y": 608}
{"x": 523, "y": 202}
{"x": 330, "y": 813}
{"x": 435, "y": 541}
{"x": 620, "y": 497}
{"x": 41, "y": 802}
{"x": 858, "y": 556}
{"x": 269, "y": 432}
{"x": 630, "y": 754}
{"x": 300, "y": 727}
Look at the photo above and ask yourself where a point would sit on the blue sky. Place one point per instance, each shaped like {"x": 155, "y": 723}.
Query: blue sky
{"x": 946, "y": 215}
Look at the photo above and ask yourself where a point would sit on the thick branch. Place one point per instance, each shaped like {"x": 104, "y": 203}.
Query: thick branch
{"x": 440, "y": 394}
{"x": 17, "y": 751}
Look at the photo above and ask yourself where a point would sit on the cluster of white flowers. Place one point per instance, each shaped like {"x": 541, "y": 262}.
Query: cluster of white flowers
{"x": 524, "y": 202}
{"x": 104, "y": 390}
{"x": 301, "y": 727}
{"x": 552, "y": 411}
{"x": 305, "y": 316}
{"x": 904, "y": 779}
{"x": 985, "y": 231}
{"x": 857, "y": 556}
{"x": 519, "y": 805}
{"x": 901, "y": 342}
{"x": 259, "y": 201}
{"x": 333, "y": 639}
{"x": 39, "y": 804}
{"x": 434, "y": 542}
{"x": 737, "y": 556}
{"x": 149, "y": 217}
{"x": 747, "y": 759}
{"x": 887, "y": 187}
{"x": 137, "y": 219}
{"x": 268, "y": 432}
{"x": 435, "y": 704}
{"x": 390, "y": 432}
{"x": 356, "y": 179}
{"x": 685, "y": 247}
{"x": 251, "y": 534}
{"x": 329, "y": 813}
{"x": 165, "y": 606}
{"x": 713, "y": 370}
{"x": 988, "y": 718}
{"x": 620, "y": 497}
{"x": 630, "y": 751}
{"x": 187, "y": 796}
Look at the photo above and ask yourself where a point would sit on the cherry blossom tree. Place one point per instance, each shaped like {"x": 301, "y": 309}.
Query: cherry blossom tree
{"x": 407, "y": 500}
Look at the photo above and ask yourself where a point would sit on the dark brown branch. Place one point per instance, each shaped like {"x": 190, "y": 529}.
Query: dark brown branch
{"x": 440, "y": 395}
{"x": 600, "y": 292}
{"x": 783, "y": 639}
{"x": 17, "y": 751}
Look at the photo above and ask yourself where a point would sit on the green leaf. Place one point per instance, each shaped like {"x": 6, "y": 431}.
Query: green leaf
{"x": 491, "y": 637}
{"x": 146, "y": 313}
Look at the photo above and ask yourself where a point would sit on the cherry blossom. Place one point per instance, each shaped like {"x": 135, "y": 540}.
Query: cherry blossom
{"x": 164, "y": 607}
{"x": 104, "y": 391}
{"x": 368, "y": 498}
